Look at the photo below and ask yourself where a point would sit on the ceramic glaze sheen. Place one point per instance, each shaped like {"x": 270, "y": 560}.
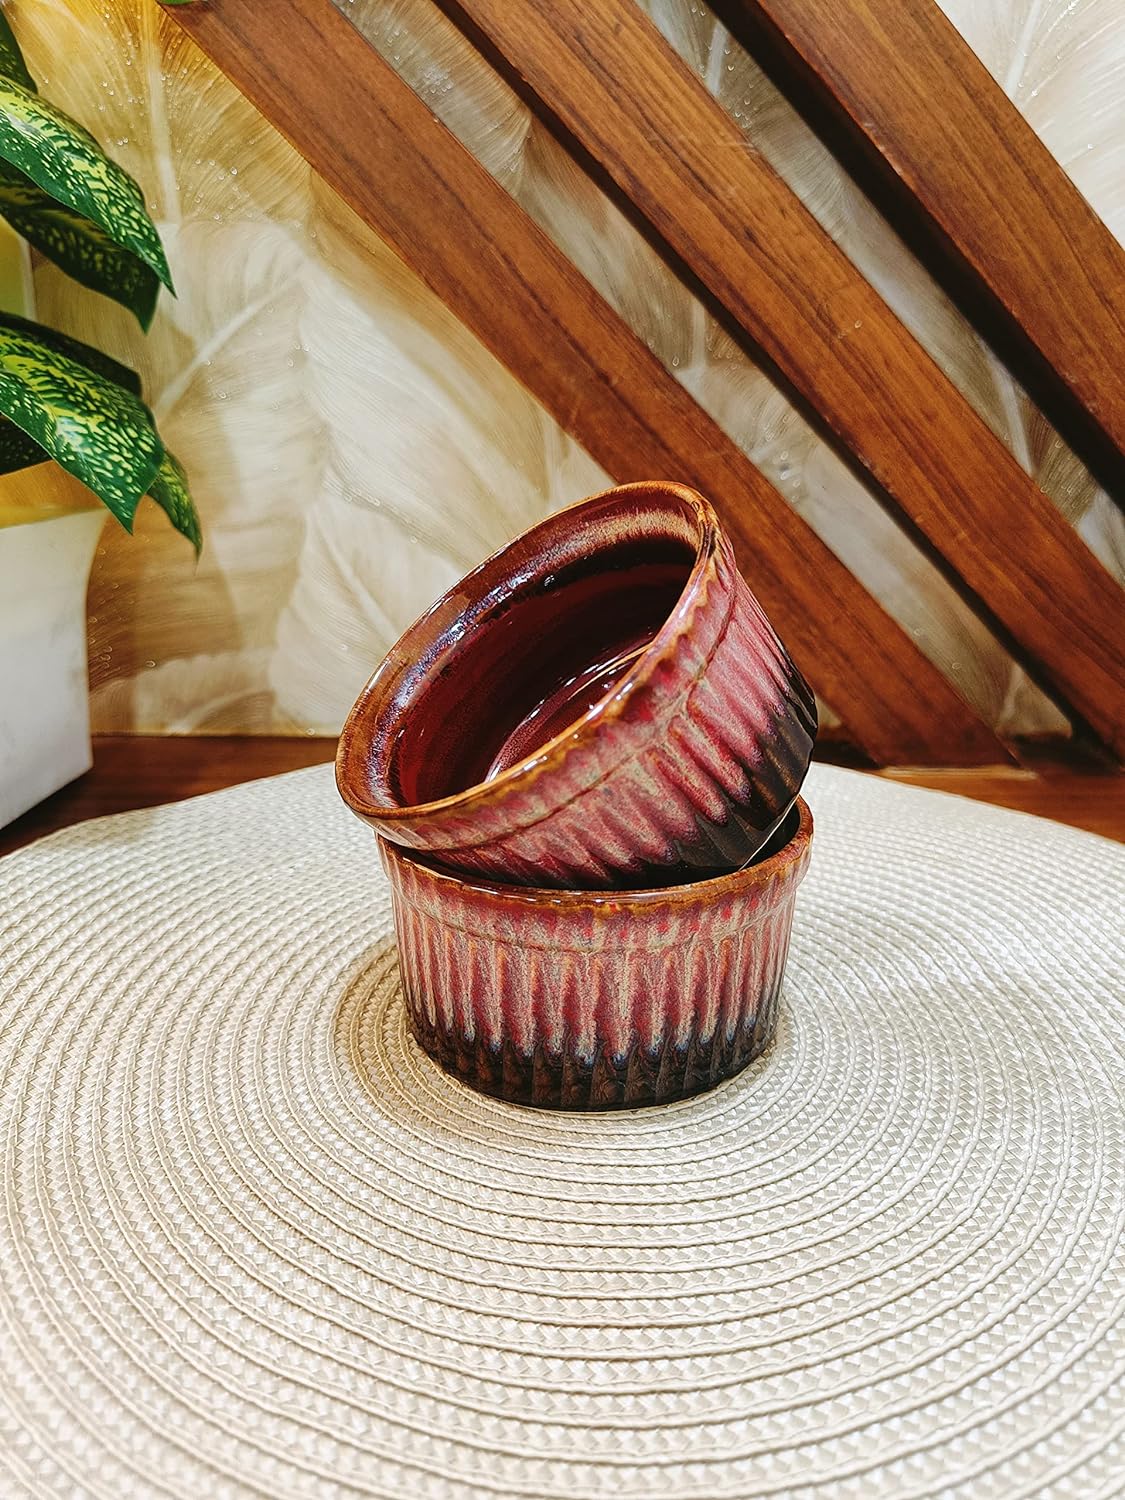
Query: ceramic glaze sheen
{"x": 529, "y": 665}
{"x": 602, "y": 704}
{"x": 564, "y": 704}
{"x": 586, "y": 1000}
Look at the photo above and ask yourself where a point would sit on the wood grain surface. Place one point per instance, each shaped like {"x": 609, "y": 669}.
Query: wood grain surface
{"x": 938, "y": 143}
{"x": 407, "y": 177}
{"x": 613, "y": 88}
{"x": 135, "y": 771}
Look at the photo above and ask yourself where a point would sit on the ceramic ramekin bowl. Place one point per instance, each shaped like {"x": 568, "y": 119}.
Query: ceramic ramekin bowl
{"x": 590, "y": 999}
{"x": 602, "y": 703}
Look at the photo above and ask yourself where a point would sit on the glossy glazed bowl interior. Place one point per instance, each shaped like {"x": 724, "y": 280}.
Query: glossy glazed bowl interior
{"x": 524, "y": 646}
{"x": 551, "y": 666}
{"x": 596, "y": 1000}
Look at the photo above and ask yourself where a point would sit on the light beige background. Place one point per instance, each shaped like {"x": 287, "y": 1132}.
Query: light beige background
{"x": 353, "y": 450}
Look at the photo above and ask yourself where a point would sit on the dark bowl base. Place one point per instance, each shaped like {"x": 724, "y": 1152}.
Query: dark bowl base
{"x": 563, "y": 1081}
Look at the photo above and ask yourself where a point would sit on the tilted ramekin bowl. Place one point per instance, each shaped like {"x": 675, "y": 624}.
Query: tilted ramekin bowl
{"x": 596, "y": 999}
{"x": 601, "y": 703}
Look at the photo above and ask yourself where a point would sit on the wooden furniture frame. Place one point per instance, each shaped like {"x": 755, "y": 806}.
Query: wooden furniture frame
{"x": 914, "y": 114}
{"x": 636, "y": 116}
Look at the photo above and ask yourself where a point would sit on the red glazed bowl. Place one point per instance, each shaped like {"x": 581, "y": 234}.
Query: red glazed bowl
{"x": 601, "y": 704}
{"x": 596, "y": 999}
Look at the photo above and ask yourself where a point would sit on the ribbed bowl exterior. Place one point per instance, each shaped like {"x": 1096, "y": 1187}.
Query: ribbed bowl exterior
{"x": 595, "y": 1000}
{"x": 695, "y": 776}
{"x": 689, "y": 779}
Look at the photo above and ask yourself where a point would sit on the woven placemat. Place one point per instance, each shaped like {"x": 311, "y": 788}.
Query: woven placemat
{"x": 254, "y": 1243}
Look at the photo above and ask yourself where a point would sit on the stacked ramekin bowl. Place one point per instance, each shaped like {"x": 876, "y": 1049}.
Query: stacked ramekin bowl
{"x": 583, "y": 765}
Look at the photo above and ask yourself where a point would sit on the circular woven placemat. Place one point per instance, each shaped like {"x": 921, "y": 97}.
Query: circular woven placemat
{"x": 253, "y": 1242}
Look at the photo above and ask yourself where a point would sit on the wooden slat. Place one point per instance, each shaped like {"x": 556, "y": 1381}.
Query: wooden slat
{"x": 614, "y": 88}
{"x": 1094, "y": 801}
{"x": 374, "y": 141}
{"x": 938, "y": 143}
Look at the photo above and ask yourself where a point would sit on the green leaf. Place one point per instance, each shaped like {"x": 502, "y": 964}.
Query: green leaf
{"x": 17, "y": 450}
{"x": 98, "y": 430}
{"x": 170, "y": 491}
{"x": 63, "y": 159}
{"x": 168, "y": 486}
{"x": 85, "y": 354}
{"x": 79, "y": 246}
{"x": 12, "y": 64}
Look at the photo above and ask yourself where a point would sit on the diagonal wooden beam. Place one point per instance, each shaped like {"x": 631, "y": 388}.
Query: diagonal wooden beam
{"x": 616, "y": 91}
{"x": 376, "y": 143}
{"x": 907, "y": 105}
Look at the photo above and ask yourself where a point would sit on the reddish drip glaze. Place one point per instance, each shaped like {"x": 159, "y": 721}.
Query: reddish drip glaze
{"x": 596, "y": 1000}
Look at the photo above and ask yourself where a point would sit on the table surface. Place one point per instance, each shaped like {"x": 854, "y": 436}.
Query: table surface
{"x": 142, "y": 771}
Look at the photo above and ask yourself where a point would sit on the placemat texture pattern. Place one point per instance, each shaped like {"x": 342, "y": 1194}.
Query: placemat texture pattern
{"x": 254, "y": 1243}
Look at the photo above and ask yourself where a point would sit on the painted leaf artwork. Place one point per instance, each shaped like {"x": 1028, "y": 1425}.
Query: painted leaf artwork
{"x": 355, "y": 450}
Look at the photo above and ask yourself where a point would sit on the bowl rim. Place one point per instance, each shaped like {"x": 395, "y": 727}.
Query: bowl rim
{"x": 351, "y": 762}
{"x": 788, "y": 859}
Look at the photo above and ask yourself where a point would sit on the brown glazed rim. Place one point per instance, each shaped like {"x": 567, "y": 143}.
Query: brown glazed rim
{"x": 351, "y": 760}
{"x": 696, "y": 893}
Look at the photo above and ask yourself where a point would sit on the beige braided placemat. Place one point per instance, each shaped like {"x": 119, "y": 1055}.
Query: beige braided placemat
{"x": 254, "y": 1243}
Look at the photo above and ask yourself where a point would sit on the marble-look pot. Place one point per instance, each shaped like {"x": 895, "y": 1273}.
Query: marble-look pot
{"x": 49, "y": 529}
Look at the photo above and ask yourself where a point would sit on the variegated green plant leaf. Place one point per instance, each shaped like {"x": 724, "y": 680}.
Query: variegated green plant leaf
{"x": 64, "y": 160}
{"x": 169, "y": 487}
{"x": 12, "y": 64}
{"x": 95, "y": 428}
{"x": 74, "y": 349}
{"x": 17, "y": 450}
{"x": 170, "y": 491}
{"x": 79, "y": 246}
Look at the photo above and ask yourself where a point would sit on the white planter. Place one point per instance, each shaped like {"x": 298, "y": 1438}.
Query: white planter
{"x": 44, "y": 695}
{"x": 49, "y": 527}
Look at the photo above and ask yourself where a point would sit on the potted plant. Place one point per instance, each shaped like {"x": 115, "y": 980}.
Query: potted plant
{"x": 76, "y": 438}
